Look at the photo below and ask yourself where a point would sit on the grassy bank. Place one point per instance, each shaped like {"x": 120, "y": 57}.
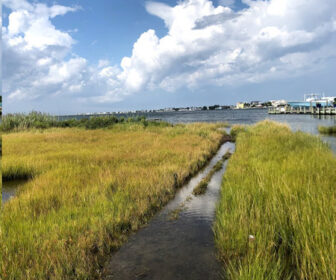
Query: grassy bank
{"x": 330, "y": 130}
{"x": 88, "y": 190}
{"x": 277, "y": 214}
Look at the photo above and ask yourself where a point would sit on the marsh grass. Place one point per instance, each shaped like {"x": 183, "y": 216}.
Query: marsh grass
{"x": 279, "y": 187}
{"x": 203, "y": 184}
{"x": 38, "y": 120}
{"x": 235, "y": 130}
{"x": 330, "y": 130}
{"x": 89, "y": 189}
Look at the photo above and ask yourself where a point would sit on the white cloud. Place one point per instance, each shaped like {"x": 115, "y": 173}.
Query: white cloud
{"x": 36, "y": 57}
{"x": 17, "y": 4}
{"x": 204, "y": 45}
{"x": 65, "y": 71}
{"x": 215, "y": 45}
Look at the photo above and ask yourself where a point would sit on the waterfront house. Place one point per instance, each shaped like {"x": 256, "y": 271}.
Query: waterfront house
{"x": 240, "y": 105}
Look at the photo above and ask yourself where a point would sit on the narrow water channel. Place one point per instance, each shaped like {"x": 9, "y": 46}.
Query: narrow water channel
{"x": 9, "y": 188}
{"x": 181, "y": 248}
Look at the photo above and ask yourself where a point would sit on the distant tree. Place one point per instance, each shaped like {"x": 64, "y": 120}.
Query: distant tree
{"x": 267, "y": 104}
{"x": 204, "y": 108}
{"x": 213, "y": 107}
{"x": 335, "y": 102}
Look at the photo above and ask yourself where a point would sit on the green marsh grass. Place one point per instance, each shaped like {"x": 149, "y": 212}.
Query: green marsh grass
{"x": 38, "y": 120}
{"x": 330, "y": 130}
{"x": 276, "y": 218}
{"x": 89, "y": 189}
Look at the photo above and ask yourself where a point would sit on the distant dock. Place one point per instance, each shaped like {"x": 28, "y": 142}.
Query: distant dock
{"x": 302, "y": 110}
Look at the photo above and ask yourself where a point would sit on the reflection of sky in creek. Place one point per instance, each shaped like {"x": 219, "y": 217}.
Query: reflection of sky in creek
{"x": 7, "y": 193}
{"x": 202, "y": 205}
{"x": 9, "y": 188}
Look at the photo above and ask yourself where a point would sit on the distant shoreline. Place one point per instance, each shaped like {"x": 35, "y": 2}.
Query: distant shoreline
{"x": 156, "y": 111}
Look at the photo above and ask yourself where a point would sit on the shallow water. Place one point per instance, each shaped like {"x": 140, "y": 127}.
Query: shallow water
{"x": 9, "y": 188}
{"x": 175, "y": 249}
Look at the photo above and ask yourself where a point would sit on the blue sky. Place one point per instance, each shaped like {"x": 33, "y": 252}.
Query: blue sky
{"x": 94, "y": 56}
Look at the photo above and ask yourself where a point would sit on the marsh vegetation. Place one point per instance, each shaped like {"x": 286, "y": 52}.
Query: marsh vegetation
{"x": 38, "y": 120}
{"x": 330, "y": 130}
{"x": 277, "y": 211}
{"x": 89, "y": 189}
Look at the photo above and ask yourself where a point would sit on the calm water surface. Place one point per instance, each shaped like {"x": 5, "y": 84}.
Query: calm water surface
{"x": 9, "y": 188}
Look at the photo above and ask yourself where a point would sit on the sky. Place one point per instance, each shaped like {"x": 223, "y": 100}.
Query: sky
{"x": 68, "y": 57}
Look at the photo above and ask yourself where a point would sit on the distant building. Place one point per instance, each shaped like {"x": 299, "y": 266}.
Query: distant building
{"x": 315, "y": 99}
{"x": 255, "y": 103}
{"x": 240, "y": 105}
{"x": 278, "y": 103}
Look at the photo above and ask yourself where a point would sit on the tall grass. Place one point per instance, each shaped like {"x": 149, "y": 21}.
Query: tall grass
{"x": 327, "y": 130}
{"x": 88, "y": 190}
{"x": 277, "y": 214}
{"x": 37, "y": 120}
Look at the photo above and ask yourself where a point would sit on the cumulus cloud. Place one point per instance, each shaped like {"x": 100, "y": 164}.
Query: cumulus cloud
{"x": 38, "y": 59}
{"x": 215, "y": 45}
{"x": 204, "y": 45}
{"x": 32, "y": 47}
